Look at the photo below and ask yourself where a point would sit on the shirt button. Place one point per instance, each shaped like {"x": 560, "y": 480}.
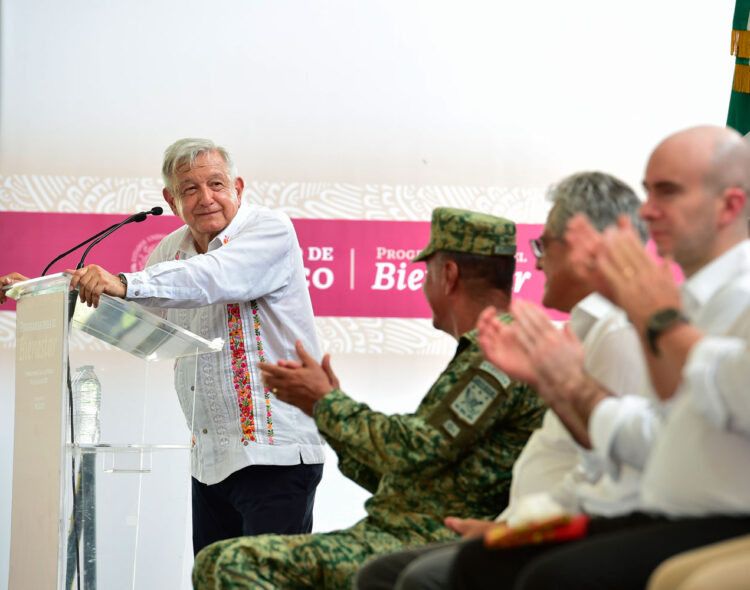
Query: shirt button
{"x": 245, "y": 443}
{"x": 192, "y": 388}
{"x": 205, "y": 431}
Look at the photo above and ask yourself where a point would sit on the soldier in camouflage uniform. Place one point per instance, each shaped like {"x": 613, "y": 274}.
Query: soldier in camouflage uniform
{"x": 453, "y": 455}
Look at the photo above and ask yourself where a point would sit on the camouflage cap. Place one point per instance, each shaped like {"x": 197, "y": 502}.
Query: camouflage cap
{"x": 460, "y": 230}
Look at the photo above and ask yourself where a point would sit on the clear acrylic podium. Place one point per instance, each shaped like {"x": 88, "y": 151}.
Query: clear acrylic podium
{"x": 94, "y": 515}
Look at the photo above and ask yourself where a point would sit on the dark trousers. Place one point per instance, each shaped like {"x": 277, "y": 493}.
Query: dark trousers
{"x": 617, "y": 554}
{"x": 256, "y": 500}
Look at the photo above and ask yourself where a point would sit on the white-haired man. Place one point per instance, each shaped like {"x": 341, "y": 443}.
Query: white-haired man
{"x": 234, "y": 271}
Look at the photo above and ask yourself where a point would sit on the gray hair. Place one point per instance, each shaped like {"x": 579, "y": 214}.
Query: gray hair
{"x": 601, "y": 197}
{"x": 185, "y": 151}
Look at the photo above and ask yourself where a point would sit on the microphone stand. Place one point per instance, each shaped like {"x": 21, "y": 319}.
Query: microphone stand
{"x": 138, "y": 217}
{"x": 74, "y": 248}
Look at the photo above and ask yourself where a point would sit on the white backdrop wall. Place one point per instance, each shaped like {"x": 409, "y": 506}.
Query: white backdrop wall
{"x": 413, "y": 103}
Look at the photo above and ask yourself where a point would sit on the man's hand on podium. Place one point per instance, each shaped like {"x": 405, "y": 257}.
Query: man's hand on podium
{"x": 9, "y": 279}
{"x": 92, "y": 281}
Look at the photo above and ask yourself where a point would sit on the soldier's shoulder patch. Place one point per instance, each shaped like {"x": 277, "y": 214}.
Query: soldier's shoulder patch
{"x": 501, "y": 377}
{"x": 473, "y": 400}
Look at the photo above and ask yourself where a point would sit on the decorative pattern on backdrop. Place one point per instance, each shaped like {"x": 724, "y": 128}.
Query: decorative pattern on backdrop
{"x": 69, "y": 194}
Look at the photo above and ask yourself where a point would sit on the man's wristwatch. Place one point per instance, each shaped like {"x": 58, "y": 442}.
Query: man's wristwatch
{"x": 124, "y": 281}
{"x": 660, "y": 322}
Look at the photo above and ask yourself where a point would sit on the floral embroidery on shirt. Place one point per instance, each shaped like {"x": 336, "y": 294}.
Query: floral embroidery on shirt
{"x": 262, "y": 358}
{"x": 226, "y": 239}
{"x": 240, "y": 370}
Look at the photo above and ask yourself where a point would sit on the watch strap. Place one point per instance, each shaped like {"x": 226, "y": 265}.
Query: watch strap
{"x": 660, "y": 322}
{"x": 123, "y": 280}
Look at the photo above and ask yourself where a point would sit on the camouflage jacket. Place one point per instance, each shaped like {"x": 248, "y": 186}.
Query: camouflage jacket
{"x": 452, "y": 456}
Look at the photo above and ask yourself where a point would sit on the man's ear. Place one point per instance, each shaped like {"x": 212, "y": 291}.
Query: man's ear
{"x": 170, "y": 201}
{"x": 731, "y": 205}
{"x": 239, "y": 186}
{"x": 450, "y": 276}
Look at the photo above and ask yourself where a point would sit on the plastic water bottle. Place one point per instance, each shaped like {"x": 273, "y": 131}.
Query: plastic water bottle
{"x": 87, "y": 398}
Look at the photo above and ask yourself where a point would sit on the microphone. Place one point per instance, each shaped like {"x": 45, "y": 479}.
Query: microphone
{"x": 138, "y": 217}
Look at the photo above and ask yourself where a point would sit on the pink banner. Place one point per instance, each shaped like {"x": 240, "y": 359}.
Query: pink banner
{"x": 354, "y": 268}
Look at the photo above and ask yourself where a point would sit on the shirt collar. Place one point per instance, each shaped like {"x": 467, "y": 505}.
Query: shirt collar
{"x": 587, "y": 312}
{"x": 226, "y": 235}
{"x": 705, "y": 283}
{"x": 187, "y": 244}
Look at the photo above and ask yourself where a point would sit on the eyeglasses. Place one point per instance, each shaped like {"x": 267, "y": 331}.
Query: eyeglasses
{"x": 539, "y": 245}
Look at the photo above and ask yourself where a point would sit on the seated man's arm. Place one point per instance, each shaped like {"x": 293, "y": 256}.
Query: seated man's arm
{"x": 713, "y": 370}
{"x": 557, "y": 358}
{"x": 468, "y": 399}
{"x": 616, "y": 361}
{"x": 577, "y": 398}
{"x": 623, "y": 429}
{"x": 353, "y": 469}
{"x": 716, "y": 375}
{"x": 303, "y": 384}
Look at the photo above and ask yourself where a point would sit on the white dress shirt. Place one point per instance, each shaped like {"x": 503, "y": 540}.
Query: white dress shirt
{"x": 694, "y": 448}
{"x": 700, "y": 463}
{"x": 249, "y": 288}
{"x": 552, "y": 461}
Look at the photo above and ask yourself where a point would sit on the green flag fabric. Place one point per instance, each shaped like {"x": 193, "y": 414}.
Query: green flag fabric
{"x": 739, "y": 104}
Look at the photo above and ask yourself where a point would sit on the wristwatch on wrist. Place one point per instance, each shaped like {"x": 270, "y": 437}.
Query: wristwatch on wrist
{"x": 124, "y": 281}
{"x": 660, "y": 322}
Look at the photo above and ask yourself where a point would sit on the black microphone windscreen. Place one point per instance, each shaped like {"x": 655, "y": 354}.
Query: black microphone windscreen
{"x": 156, "y": 211}
{"x": 138, "y": 217}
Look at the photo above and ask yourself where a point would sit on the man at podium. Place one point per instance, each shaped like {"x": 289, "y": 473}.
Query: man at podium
{"x": 233, "y": 271}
